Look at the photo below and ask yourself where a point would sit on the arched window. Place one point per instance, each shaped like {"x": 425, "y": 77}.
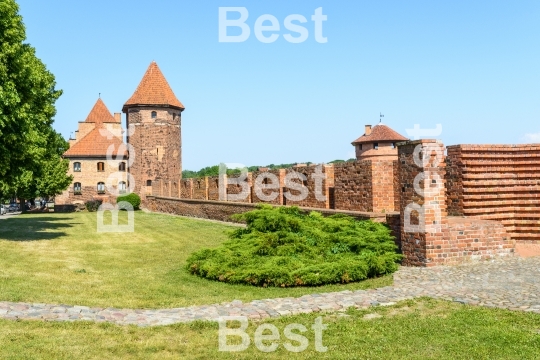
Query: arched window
{"x": 154, "y": 114}
{"x": 77, "y": 167}
{"x": 198, "y": 184}
{"x": 77, "y": 188}
{"x": 148, "y": 182}
{"x": 304, "y": 182}
{"x": 122, "y": 186}
{"x": 100, "y": 166}
{"x": 101, "y": 188}
{"x": 122, "y": 166}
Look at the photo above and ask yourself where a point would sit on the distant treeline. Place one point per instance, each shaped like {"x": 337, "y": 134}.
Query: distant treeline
{"x": 214, "y": 170}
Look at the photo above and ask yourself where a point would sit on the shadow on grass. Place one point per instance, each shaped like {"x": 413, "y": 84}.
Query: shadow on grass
{"x": 21, "y": 228}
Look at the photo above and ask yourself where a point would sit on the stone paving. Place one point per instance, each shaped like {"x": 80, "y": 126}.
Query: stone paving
{"x": 512, "y": 283}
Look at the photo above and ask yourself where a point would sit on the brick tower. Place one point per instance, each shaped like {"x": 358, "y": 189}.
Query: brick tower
{"x": 154, "y": 114}
{"x": 378, "y": 143}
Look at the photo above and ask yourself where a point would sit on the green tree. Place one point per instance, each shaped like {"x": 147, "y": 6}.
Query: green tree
{"x": 50, "y": 176}
{"x": 27, "y": 98}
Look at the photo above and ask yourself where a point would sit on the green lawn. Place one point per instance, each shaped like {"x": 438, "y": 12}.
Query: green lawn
{"x": 60, "y": 258}
{"x": 423, "y": 329}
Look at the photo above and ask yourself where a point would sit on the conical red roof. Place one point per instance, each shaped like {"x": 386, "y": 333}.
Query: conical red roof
{"x": 380, "y": 132}
{"x": 100, "y": 114}
{"x": 154, "y": 90}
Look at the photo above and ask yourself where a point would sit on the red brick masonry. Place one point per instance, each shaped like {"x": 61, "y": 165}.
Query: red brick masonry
{"x": 497, "y": 188}
{"x": 471, "y": 239}
{"x": 497, "y": 182}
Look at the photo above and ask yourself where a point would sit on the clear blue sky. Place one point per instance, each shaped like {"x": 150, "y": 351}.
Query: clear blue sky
{"x": 472, "y": 66}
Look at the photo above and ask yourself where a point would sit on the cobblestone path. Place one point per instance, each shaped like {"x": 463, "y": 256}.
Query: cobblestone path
{"x": 512, "y": 283}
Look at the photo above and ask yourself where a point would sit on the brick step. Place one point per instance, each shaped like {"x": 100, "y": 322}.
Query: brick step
{"x": 499, "y": 169}
{"x": 525, "y": 195}
{"x": 491, "y": 176}
{"x": 523, "y": 236}
{"x": 529, "y": 151}
{"x": 508, "y": 161}
{"x": 521, "y": 221}
{"x": 510, "y": 211}
{"x": 497, "y": 155}
{"x": 526, "y": 240}
{"x": 527, "y": 236}
{"x": 525, "y": 203}
{"x": 501, "y": 189}
{"x": 502, "y": 182}
{"x": 481, "y": 203}
{"x": 464, "y": 157}
{"x": 515, "y": 228}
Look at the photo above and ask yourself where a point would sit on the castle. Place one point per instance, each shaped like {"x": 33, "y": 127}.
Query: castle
{"x": 103, "y": 166}
{"x": 444, "y": 204}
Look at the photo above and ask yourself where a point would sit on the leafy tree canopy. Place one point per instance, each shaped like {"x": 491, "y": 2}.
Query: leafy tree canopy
{"x": 30, "y": 150}
{"x": 214, "y": 170}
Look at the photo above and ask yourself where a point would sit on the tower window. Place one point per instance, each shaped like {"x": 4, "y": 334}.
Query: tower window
{"x": 77, "y": 167}
{"x": 100, "y": 166}
{"x": 393, "y": 145}
{"x": 154, "y": 114}
{"x": 174, "y": 116}
{"x": 122, "y": 166}
{"x": 376, "y": 146}
{"x": 148, "y": 182}
{"x": 101, "y": 188}
{"x": 360, "y": 147}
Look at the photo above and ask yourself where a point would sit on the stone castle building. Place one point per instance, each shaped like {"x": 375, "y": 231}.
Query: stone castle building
{"x": 482, "y": 199}
{"x": 95, "y": 175}
{"x": 103, "y": 166}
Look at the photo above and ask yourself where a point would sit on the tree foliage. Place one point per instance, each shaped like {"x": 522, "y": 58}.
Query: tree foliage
{"x": 214, "y": 170}
{"x": 284, "y": 247}
{"x": 30, "y": 149}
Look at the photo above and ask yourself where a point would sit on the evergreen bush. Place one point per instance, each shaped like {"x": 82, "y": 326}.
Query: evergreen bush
{"x": 132, "y": 198}
{"x": 284, "y": 247}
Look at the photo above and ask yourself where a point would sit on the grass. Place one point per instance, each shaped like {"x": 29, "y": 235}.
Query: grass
{"x": 61, "y": 259}
{"x": 421, "y": 329}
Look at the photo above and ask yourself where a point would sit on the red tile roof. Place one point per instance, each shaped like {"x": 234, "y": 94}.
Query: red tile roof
{"x": 380, "y": 132}
{"x": 97, "y": 141}
{"x": 95, "y": 144}
{"x": 154, "y": 90}
{"x": 100, "y": 114}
